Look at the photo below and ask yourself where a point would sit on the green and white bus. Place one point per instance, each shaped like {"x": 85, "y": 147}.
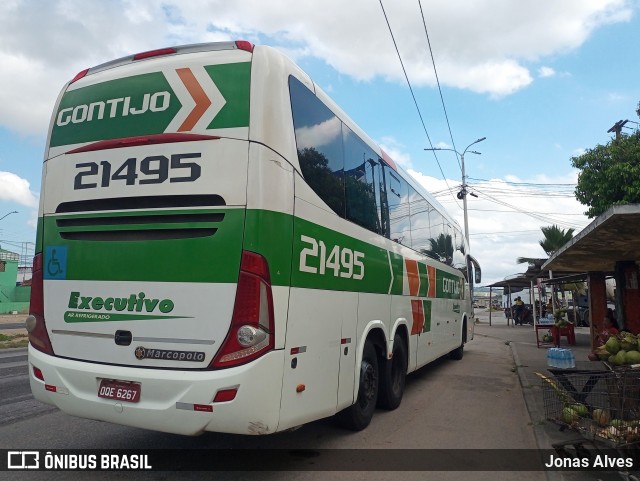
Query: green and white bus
{"x": 220, "y": 248}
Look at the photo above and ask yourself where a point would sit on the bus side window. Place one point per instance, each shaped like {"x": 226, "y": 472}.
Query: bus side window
{"x": 363, "y": 181}
{"x": 419, "y": 211}
{"x": 397, "y": 196}
{"x": 318, "y": 135}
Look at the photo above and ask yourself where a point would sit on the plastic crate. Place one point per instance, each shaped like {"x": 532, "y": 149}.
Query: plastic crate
{"x": 603, "y": 405}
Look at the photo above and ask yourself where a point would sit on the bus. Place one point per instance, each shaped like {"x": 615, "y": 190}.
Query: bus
{"x": 220, "y": 248}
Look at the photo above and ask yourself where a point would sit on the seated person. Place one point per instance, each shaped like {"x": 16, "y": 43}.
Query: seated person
{"x": 609, "y": 327}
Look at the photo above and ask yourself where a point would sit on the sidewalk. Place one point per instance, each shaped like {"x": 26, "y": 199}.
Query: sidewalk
{"x": 529, "y": 359}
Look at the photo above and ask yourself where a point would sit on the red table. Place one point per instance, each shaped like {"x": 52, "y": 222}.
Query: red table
{"x": 557, "y": 332}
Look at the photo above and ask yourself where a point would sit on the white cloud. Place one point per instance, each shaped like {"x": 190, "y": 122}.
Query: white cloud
{"x": 480, "y": 46}
{"x": 16, "y": 189}
{"x": 545, "y": 72}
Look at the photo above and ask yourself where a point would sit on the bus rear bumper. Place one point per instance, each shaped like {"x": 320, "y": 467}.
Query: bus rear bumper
{"x": 173, "y": 401}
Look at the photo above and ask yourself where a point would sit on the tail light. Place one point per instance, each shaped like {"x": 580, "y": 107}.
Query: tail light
{"x": 36, "y": 327}
{"x": 252, "y": 332}
{"x": 79, "y": 75}
{"x": 244, "y": 45}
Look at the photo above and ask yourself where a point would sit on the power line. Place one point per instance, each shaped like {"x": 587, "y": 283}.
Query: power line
{"x": 509, "y": 212}
{"x": 412, "y": 93}
{"x": 541, "y": 218}
{"x": 520, "y": 183}
{"x": 435, "y": 71}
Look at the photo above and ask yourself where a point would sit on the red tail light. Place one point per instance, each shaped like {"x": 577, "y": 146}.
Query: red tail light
{"x": 244, "y": 45}
{"x": 79, "y": 75}
{"x": 252, "y": 332}
{"x": 154, "y": 53}
{"x": 38, "y": 336}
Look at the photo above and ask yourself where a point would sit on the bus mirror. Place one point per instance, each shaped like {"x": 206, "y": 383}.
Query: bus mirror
{"x": 477, "y": 275}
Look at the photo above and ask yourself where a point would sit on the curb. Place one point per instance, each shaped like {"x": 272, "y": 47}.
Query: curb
{"x": 542, "y": 440}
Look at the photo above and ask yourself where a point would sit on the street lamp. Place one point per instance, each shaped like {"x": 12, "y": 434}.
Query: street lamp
{"x": 13, "y": 212}
{"x": 463, "y": 192}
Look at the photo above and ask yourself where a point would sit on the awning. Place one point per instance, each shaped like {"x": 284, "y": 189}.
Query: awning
{"x": 613, "y": 236}
{"x": 516, "y": 283}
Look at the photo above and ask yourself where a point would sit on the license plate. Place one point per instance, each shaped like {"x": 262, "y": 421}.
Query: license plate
{"x": 119, "y": 390}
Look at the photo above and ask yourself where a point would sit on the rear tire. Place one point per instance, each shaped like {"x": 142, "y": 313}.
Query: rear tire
{"x": 393, "y": 375}
{"x": 458, "y": 352}
{"x": 358, "y": 416}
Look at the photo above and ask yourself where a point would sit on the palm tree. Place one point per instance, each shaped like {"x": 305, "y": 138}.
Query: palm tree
{"x": 554, "y": 239}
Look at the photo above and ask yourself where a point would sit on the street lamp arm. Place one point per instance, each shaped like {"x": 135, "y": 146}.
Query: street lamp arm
{"x": 13, "y": 212}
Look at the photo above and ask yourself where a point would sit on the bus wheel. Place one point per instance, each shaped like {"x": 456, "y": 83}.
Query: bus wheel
{"x": 392, "y": 376}
{"x": 458, "y": 352}
{"x": 358, "y": 416}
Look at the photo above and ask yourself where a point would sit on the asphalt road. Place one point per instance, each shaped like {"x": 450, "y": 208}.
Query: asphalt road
{"x": 476, "y": 403}
{"x": 11, "y": 325}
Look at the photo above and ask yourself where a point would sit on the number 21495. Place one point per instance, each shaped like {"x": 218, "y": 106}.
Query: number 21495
{"x": 342, "y": 261}
{"x": 154, "y": 169}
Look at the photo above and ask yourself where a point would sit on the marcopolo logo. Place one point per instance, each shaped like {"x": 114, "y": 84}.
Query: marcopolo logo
{"x": 168, "y": 355}
{"x": 97, "y": 308}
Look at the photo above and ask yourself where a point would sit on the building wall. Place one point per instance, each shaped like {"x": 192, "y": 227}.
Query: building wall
{"x": 12, "y": 298}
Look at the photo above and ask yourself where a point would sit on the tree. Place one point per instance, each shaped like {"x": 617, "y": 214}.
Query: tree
{"x": 609, "y": 174}
{"x": 554, "y": 238}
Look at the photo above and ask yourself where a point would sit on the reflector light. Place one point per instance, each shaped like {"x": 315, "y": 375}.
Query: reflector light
{"x": 225, "y": 395}
{"x": 207, "y": 408}
{"x": 154, "y": 53}
{"x": 51, "y": 388}
{"x": 38, "y": 373}
{"x": 244, "y": 45}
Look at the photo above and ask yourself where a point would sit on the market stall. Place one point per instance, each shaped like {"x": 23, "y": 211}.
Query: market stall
{"x": 609, "y": 246}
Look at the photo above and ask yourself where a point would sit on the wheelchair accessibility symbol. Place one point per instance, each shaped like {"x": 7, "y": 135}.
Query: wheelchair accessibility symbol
{"x": 55, "y": 262}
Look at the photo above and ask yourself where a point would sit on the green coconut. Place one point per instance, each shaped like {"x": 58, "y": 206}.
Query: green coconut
{"x": 569, "y": 416}
{"x": 580, "y": 409}
{"x": 612, "y": 345}
{"x": 633, "y": 357}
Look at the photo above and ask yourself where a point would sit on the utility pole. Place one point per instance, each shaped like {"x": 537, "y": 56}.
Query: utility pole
{"x": 617, "y": 128}
{"x": 463, "y": 191}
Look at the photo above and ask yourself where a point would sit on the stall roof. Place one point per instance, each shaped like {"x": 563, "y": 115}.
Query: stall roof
{"x": 613, "y": 236}
{"x": 518, "y": 282}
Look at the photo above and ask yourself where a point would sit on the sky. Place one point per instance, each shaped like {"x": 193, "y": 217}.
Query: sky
{"x": 542, "y": 80}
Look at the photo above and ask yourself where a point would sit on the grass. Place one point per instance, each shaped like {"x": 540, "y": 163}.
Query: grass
{"x": 16, "y": 340}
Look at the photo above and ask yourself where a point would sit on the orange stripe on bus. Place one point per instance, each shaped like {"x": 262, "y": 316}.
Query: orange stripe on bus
{"x": 199, "y": 96}
{"x": 413, "y": 276}
{"x": 417, "y": 312}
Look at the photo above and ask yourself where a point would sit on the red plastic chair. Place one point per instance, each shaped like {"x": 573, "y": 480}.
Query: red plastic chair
{"x": 568, "y": 331}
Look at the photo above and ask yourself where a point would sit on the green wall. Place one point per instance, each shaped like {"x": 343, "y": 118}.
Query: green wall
{"x": 12, "y": 297}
